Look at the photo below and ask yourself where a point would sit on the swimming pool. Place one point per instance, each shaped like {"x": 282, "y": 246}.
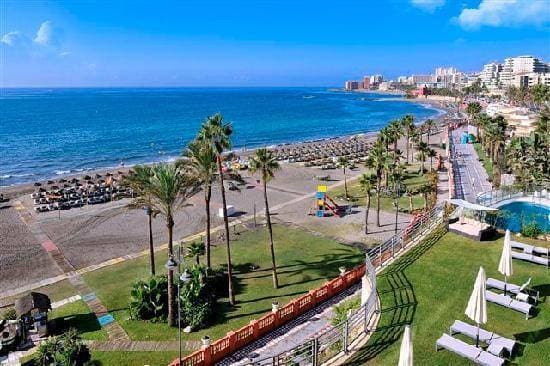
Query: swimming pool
{"x": 512, "y": 215}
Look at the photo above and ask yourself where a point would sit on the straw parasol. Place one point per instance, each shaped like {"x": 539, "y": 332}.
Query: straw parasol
{"x": 477, "y": 305}
{"x": 505, "y": 264}
{"x": 406, "y": 351}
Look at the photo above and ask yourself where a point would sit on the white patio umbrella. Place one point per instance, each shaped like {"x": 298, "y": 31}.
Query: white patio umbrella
{"x": 477, "y": 305}
{"x": 505, "y": 264}
{"x": 406, "y": 352}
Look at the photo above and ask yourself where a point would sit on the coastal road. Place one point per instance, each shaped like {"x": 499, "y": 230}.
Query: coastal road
{"x": 471, "y": 177}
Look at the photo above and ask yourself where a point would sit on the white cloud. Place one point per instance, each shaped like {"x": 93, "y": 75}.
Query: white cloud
{"x": 497, "y": 13}
{"x": 48, "y": 35}
{"x": 428, "y": 5}
{"x": 14, "y": 39}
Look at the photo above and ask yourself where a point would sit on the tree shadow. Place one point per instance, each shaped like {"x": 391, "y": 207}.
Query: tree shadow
{"x": 398, "y": 302}
{"x": 544, "y": 290}
{"x": 83, "y": 323}
{"x": 534, "y": 336}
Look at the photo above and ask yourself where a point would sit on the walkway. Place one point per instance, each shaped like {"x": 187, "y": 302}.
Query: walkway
{"x": 470, "y": 176}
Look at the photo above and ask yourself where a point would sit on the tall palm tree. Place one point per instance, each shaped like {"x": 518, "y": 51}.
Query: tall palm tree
{"x": 422, "y": 154}
{"x": 343, "y": 163}
{"x": 429, "y": 127}
{"x": 139, "y": 183}
{"x": 195, "y": 250}
{"x": 217, "y": 133}
{"x": 367, "y": 182}
{"x": 264, "y": 163}
{"x": 397, "y": 176}
{"x": 395, "y": 131}
{"x": 169, "y": 187}
{"x": 425, "y": 189}
{"x": 431, "y": 154}
{"x": 201, "y": 159}
{"x": 379, "y": 161}
{"x": 473, "y": 109}
{"x": 408, "y": 125}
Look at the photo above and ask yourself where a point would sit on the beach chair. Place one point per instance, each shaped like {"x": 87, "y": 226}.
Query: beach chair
{"x": 497, "y": 344}
{"x": 531, "y": 258}
{"x": 529, "y": 249}
{"x": 509, "y": 303}
{"x": 468, "y": 351}
{"x": 515, "y": 289}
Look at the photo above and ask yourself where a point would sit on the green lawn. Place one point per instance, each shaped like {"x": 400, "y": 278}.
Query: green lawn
{"x": 487, "y": 164}
{"x": 77, "y": 315}
{"x": 131, "y": 358}
{"x": 304, "y": 261}
{"x": 56, "y": 291}
{"x": 430, "y": 287}
{"x": 412, "y": 180}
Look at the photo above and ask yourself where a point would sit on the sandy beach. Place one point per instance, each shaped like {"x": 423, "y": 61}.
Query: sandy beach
{"x": 97, "y": 233}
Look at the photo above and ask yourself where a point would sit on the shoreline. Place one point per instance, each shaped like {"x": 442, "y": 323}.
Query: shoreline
{"x": 17, "y": 189}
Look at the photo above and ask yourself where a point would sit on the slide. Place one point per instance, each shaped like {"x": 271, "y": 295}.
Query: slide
{"x": 334, "y": 203}
{"x": 335, "y": 211}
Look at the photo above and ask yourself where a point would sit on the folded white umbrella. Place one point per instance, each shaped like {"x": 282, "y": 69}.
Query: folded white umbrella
{"x": 406, "y": 352}
{"x": 505, "y": 264}
{"x": 477, "y": 305}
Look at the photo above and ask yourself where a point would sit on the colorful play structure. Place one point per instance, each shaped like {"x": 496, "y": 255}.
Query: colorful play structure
{"x": 325, "y": 206}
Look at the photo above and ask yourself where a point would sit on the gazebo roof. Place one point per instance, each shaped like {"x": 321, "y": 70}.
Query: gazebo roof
{"x": 34, "y": 300}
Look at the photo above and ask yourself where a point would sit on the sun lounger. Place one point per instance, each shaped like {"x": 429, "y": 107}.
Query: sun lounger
{"x": 498, "y": 343}
{"x": 509, "y": 303}
{"x": 529, "y": 249}
{"x": 468, "y": 351}
{"x": 531, "y": 258}
{"x": 515, "y": 289}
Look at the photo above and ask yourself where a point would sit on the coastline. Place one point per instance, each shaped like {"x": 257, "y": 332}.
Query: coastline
{"x": 17, "y": 189}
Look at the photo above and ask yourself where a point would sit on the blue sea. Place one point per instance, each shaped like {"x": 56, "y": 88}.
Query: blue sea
{"x": 47, "y": 133}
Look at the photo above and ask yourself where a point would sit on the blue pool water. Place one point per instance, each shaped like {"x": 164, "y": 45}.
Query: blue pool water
{"x": 49, "y": 132}
{"x": 513, "y": 214}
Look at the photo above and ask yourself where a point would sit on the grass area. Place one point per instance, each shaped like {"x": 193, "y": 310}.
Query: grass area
{"x": 124, "y": 358}
{"x": 304, "y": 262}
{"x": 77, "y": 315}
{"x": 430, "y": 286}
{"x": 487, "y": 164}
{"x": 412, "y": 180}
{"x": 56, "y": 291}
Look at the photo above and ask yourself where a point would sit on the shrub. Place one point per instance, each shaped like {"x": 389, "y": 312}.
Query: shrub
{"x": 341, "y": 311}
{"x": 149, "y": 299}
{"x": 198, "y": 298}
{"x": 64, "y": 350}
{"x": 9, "y": 314}
{"x": 530, "y": 230}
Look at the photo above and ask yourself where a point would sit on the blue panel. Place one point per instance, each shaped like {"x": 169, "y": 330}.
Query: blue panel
{"x": 89, "y": 297}
{"x": 320, "y": 213}
{"x": 105, "y": 319}
{"x": 320, "y": 195}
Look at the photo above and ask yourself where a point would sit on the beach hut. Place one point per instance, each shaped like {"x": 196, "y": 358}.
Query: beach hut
{"x": 32, "y": 309}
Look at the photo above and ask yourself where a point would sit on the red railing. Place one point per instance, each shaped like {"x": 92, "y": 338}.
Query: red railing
{"x": 257, "y": 328}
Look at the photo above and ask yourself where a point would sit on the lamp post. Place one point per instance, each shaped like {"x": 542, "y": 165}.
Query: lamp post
{"x": 149, "y": 212}
{"x": 184, "y": 277}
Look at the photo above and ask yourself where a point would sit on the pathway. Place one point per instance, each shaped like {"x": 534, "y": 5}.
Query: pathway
{"x": 471, "y": 177}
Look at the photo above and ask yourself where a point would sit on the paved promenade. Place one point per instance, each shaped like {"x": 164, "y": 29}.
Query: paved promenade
{"x": 471, "y": 177}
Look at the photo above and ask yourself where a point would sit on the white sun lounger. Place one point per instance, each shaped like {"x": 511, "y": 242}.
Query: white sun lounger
{"x": 531, "y": 258}
{"x": 496, "y": 343}
{"x": 468, "y": 351}
{"x": 515, "y": 289}
{"x": 529, "y": 249}
{"x": 509, "y": 303}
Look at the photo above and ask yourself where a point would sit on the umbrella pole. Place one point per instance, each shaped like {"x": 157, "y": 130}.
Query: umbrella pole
{"x": 477, "y": 336}
{"x": 505, "y": 285}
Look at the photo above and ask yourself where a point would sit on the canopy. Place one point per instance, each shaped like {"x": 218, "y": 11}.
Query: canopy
{"x": 406, "y": 351}
{"x": 470, "y": 206}
{"x": 505, "y": 265}
{"x": 477, "y": 306}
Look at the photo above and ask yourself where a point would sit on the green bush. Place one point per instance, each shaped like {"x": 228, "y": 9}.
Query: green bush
{"x": 9, "y": 314}
{"x": 341, "y": 311}
{"x": 198, "y": 298}
{"x": 149, "y": 299}
{"x": 64, "y": 350}
{"x": 530, "y": 230}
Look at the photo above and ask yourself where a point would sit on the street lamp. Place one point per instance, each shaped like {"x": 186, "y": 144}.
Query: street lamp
{"x": 184, "y": 277}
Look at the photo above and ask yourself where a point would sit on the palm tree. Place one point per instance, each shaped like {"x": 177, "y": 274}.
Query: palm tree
{"x": 367, "y": 182}
{"x": 202, "y": 161}
{"x": 408, "y": 125}
{"x": 218, "y": 134}
{"x": 473, "y": 109}
{"x": 195, "y": 250}
{"x": 422, "y": 154}
{"x": 429, "y": 126}
{"x": 425, "y": 189}
{"x": 168, "y": 188}
{"x": 264, "y": 162}
{"x": 395, "y": 131}
{"x": 431, "y": 154}
{"x": 139, "y": 183}
{"x": 409, "y": 192}
{"x": 379, "y": 161}
{"x": 343, "y": 162}
{"x": 396, "y": 177}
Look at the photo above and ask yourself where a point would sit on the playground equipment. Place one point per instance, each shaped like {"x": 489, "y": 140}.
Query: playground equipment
{"x": 325, "y": 206}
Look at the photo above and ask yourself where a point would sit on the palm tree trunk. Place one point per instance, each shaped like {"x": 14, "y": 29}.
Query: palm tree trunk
{"x": 396, "y": 209}
{"x": 171, "y": 294}
{"x": 407, "y": 147}
{"x": 151, "y": 246}
{"x": 367, "y": 214}
{"x": 378, "y": 202}
{"x": 197, "y": 260}
{"x": 345, "y": 183}
{"x": 271, "y": 246}
{"x": 208, "y": 195}
{"x": 431, "y": 163}
{"x": 226, "y": 225}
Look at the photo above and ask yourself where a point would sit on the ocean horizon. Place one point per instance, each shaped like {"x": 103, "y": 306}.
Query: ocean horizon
{"x": 52, "y": 132}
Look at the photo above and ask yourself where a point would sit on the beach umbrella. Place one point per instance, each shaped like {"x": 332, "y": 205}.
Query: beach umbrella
{"x": 406, "y": 352}
{"x": 98, "y": 176}
{"x": 37, "y": 184}
{"x": 87, "y": 177}
{"x": 505, "y": 264}
{"x": 51, "y": 182}
{"x": 477, "y": 304}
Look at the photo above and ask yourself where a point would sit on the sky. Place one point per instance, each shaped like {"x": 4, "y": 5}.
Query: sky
{"x": 74, "y": 43}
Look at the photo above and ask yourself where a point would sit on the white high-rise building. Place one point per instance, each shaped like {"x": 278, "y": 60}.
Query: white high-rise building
{"x": 515, "y": 69}
{"x": 445, "y": 71}
{"x": 490, "y": 75}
